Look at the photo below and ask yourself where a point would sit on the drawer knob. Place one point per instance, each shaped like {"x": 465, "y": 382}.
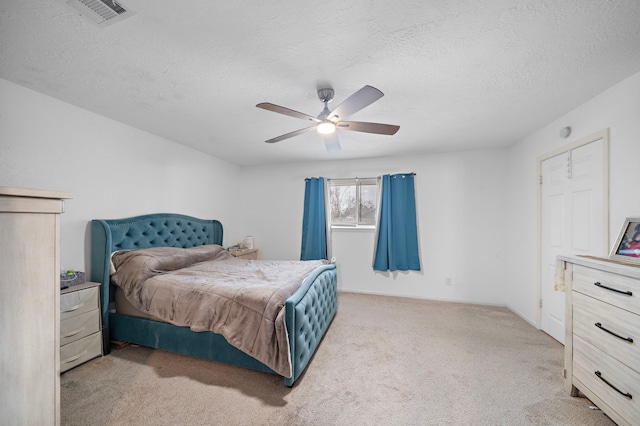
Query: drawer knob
{"x": 628, "y": 339}
{"x": 627, "y": 394}
{"x": 628, "y": 293}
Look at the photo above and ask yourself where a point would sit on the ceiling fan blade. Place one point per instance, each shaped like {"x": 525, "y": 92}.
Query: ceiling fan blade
{"x": 286, "y": 111}
{"x": 290, "y": 134}
{"x": 360, "y": 126}
{"x": 331, "y": 142}
{"x": 354, "y": 103}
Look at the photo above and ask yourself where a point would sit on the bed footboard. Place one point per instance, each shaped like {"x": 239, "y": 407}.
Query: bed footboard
{"x": 308, "y": 315}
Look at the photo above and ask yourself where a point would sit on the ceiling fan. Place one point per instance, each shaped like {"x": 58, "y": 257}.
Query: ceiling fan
{"x": 328, "y": 121}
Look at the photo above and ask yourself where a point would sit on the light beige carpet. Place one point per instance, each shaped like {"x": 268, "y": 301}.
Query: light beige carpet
{"x": 384, "y": 361}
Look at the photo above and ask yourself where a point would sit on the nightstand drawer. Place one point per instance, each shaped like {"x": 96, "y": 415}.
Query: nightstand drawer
{"x": 78, "y": 302}
{"x": 80, "y": 351}
{"x": 75, "y": 328}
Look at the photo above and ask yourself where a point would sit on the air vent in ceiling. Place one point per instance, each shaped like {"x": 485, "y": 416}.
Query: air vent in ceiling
{"x": 101, "y": 12}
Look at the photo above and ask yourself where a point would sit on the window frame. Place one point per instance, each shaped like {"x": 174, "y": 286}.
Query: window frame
{"x": 358, "y": 183}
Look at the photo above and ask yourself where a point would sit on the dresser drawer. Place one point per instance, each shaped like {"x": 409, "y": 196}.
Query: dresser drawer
{"x": 78, "y": 302}
{"x": 74, "y": 328}
{"x": 611, "y": 288}
{"x": 80, "y": 351}
{"x": 610, "y": 329}
{"x": 587, "y": 360}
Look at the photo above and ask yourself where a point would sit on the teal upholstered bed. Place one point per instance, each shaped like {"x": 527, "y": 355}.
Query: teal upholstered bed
{"x": 308, "y": 312}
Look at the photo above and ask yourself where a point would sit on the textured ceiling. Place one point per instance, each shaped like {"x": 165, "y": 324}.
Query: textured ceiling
{"x": 457, "y": 75}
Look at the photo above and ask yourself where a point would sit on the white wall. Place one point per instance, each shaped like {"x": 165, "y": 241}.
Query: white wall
{"x": 471, "y": 205}
{"x": 461, "y": 214}
{"x": 111, "y": 170}
{"x": 617, "y": 109}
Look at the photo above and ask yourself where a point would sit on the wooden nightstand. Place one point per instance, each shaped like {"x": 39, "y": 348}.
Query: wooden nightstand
{"x": 80, "y": 336}
{"x": 251, "y": 254}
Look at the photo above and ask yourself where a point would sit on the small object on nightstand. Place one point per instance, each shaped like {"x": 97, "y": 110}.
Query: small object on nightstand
{"x": 70, "y": 278}
{"x": 251, "y": 254}
{"x": 248, "y": 242}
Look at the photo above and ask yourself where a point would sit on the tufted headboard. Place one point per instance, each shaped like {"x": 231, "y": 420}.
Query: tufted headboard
{"x": 152, "y": 230}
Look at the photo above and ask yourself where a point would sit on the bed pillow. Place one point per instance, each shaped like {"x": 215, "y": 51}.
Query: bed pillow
{"x": 136, "y": 265}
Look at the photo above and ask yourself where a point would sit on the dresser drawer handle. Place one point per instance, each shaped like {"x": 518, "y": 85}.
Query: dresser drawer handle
{"x": 73, "y": 308}
{"x": 628, "y": 339}
{"x": 627, "y": 394}
{"x": 74, "y": 332}
{"x": 628, "y": 293}
{"x": 73, "y": 358}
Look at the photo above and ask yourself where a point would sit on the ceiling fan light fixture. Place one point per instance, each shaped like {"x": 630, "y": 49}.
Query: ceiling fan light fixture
{"x": 327, "y": 122}
{"x": 326, "y": 127}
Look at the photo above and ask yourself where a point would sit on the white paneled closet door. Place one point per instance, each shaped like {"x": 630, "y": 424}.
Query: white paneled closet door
{"x": 573, "y": 206}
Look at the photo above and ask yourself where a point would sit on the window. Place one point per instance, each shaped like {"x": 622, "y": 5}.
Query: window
{"x": 353, "y": 202}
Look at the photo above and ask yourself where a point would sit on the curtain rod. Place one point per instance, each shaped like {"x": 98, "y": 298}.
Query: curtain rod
{"x": 353, "y": 178}
{"x": 377, "y": 177}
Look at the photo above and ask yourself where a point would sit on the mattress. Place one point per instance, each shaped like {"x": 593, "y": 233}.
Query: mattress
{"x": 123, "y": 306}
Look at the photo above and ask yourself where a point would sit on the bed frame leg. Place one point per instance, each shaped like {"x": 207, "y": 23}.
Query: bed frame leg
{"x": 106, "y": 345}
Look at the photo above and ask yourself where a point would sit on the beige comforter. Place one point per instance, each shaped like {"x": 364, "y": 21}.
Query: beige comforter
{"x": 205, "y": 288}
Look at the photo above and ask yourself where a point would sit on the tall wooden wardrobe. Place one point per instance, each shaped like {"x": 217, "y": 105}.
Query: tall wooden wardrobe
{"x": 30, "y": 305}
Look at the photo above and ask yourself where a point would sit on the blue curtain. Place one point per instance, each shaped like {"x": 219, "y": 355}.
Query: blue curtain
{"x": 397, "y": 245}
{"x": 314, "y": 222}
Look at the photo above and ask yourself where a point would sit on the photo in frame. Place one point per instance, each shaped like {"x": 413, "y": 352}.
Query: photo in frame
{"x": 627, "y": 246}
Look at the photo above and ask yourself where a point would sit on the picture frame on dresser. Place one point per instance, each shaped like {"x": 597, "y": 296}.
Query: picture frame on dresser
{"x": 627, "y": 246}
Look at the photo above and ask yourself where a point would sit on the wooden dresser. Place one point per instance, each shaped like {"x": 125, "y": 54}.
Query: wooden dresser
{"x": 80, "y": 337}
{"x": 30, "y": 306}
{"x": 602, "y": 346}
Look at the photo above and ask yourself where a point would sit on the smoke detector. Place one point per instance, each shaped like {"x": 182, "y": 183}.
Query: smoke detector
{"x": 100, "y": 12}
{"x": 565, "y": 132}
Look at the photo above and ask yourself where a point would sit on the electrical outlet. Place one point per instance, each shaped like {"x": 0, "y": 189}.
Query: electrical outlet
{"x": 447, "y": 281}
